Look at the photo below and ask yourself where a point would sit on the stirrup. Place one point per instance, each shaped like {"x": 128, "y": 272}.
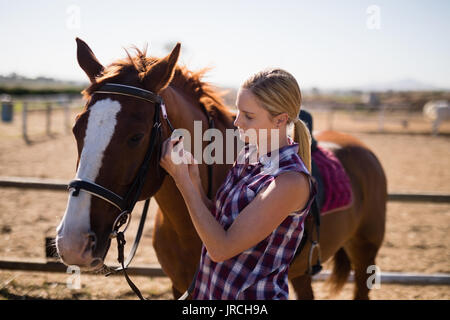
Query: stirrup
{"x": 315, "y": 269}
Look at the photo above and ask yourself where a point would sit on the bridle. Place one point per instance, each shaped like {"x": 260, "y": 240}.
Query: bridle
{"x": 126, "y": 204}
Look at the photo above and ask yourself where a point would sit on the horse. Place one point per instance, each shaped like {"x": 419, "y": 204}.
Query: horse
{"x": 437, "y": 111}
{"x": 112, "y": 134}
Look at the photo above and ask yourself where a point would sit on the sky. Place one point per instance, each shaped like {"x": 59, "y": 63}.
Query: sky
{"x": 324, "y": 44}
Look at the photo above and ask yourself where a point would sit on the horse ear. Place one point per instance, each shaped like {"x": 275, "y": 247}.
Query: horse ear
{"x": 87, "y": 60}
{"x": 161, "y": 73}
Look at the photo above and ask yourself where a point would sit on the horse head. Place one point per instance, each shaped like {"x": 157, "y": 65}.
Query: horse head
{"x": 113, "y": 133}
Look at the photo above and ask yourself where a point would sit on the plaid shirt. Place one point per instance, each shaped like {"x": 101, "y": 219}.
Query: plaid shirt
{"x": 260, "y": 272}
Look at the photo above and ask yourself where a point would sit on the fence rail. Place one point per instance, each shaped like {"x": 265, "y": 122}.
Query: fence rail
{"x": 155, "y": 270}
{"x": 33, "y": 183}
{"x": 57, "y": 267}
{"x": 60, "y": 185}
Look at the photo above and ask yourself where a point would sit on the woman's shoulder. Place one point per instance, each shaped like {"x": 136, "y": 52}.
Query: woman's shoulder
{"x": 292, "y": 172}
{"x": 292, "y": 186}
{"x": 289, "y": 160}
{"x": 293, "y": 178}
{"x": 294, "y": 163}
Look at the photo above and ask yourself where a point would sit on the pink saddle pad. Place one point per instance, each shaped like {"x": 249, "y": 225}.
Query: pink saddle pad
{"x": 336, "y": 183}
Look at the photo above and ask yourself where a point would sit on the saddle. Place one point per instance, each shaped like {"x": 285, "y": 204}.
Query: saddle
{"x": 333, "y": 192}
{"x": 334, "y": 187}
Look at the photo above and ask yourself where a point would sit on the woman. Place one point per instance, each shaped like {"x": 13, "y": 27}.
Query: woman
{"x": 252, "y": 229}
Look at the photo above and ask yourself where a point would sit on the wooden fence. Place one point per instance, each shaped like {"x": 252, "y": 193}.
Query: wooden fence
{"x": 58, "y": 185}
{"x": 156, "y": 271}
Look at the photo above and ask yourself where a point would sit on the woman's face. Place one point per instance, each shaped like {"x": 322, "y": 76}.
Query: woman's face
{"x": 252, "y": 117}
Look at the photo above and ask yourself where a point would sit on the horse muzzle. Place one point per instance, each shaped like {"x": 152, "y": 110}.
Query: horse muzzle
{"x": 78, "y": 251}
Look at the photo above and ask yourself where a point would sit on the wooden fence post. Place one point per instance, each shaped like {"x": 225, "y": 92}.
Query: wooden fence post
{"x": 66, "y": 117}
{"x": 48, "y": 118}
{"x": 24, "y": 121}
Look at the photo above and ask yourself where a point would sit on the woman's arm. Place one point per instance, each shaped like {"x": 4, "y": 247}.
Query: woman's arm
{"x": 258, "y": 219}
{"x": 288, "y": 192}
{"x": 185, "y": 165}
{"x": 197, "y": 182}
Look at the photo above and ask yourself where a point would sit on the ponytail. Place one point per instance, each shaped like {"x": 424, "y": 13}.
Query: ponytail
{"x": 303, "y": 138}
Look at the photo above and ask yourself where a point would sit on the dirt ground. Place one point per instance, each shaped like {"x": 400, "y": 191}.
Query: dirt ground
{"x": 416, "y": 233}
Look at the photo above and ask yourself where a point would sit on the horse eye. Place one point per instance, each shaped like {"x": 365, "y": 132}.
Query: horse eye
{"x": 136, "y": 138}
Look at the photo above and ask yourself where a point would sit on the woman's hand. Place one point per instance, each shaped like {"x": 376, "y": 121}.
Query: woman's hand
{"x": 176, "y": 161}
{"x": 194, "y": 172}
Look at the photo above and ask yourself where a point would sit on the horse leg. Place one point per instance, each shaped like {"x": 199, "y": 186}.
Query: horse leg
{"x": 369, "y": 180}
{"x": 336, "y": 229}
{"x": 362, "y": 248}
{"x": 302, "y": 287}
{"x": 175, "y": 258}
{"x": 362, "y": 254}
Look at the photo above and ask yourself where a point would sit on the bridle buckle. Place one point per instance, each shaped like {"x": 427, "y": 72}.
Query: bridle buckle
{"x": 123, "y": 218}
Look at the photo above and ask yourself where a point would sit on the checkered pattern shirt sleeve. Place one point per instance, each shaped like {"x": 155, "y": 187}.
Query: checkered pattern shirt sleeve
{"x": 259, "y": 273}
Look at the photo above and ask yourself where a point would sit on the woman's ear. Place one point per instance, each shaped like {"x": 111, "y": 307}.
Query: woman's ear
{"x": 281, "y": 119}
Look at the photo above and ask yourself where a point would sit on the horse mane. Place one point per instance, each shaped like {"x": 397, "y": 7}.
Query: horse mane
{"x": 191, "y": 83}
{"x": 130, "y": 70}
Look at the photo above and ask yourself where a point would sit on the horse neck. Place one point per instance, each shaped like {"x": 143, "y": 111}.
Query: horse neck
{"x": 182, "y": 113}
{"x": 181, "y": 110}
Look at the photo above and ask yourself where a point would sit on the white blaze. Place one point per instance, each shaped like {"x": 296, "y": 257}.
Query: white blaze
{"x": 100, "y": 129}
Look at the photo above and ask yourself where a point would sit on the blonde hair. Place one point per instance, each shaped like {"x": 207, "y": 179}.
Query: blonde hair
{"x": 279, "y": 92}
